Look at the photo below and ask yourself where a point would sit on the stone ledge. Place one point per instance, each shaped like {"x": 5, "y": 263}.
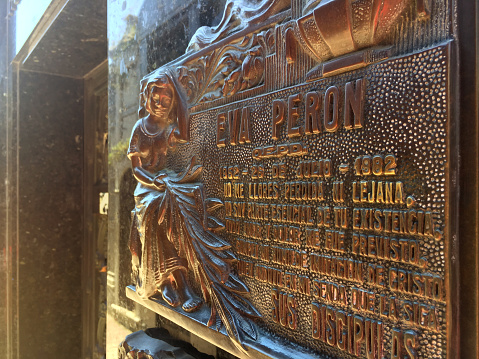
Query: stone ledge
{"x": 263, "y": 348}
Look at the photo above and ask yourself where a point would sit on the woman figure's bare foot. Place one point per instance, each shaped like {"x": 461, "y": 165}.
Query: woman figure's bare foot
{"x": 169, "y": 294}
{"x": 191, "y": 302}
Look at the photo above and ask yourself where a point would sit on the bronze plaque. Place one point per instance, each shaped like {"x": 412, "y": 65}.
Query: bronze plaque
{"x": 299, "y": 198}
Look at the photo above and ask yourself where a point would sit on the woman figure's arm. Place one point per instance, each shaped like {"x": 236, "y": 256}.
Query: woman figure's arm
{"x": 145, "y": 177}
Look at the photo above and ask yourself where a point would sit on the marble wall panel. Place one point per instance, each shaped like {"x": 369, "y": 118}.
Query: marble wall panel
{"x": 50, "y": 156}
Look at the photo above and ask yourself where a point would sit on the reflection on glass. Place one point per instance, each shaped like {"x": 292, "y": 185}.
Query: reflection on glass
{"x": 121, "y": 20}
{"x": 28, "y": 14}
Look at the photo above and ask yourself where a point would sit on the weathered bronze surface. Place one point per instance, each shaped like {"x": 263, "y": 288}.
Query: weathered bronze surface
{"x": 322, "y": 131}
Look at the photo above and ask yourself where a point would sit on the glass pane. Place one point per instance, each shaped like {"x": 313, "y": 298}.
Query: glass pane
{"x": 28, "y": 14}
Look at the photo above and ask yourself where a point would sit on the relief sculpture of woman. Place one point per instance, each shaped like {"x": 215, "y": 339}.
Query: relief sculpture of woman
{"x": 174, "y": 231}
{"x": 161, "y": 270}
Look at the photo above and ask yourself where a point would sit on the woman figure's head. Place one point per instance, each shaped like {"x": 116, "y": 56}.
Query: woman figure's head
{"x": 163, "y": 100}
{"x": 159, "y": 99}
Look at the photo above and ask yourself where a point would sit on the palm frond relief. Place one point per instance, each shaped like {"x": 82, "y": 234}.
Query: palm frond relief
{"x": 209, "y": 257}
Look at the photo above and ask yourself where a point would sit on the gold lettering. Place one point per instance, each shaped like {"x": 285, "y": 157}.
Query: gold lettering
{"x": 220, "y": 130}
{"x": 354, "y": 99}
{"x": 245, "y": 128}
{"x": 331, "y": 105}
{"x": 278, "y": 117}
{"x": 312, "y": 113}
{"x": 234, "y": 119}
{"x": 293, "y": 114}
